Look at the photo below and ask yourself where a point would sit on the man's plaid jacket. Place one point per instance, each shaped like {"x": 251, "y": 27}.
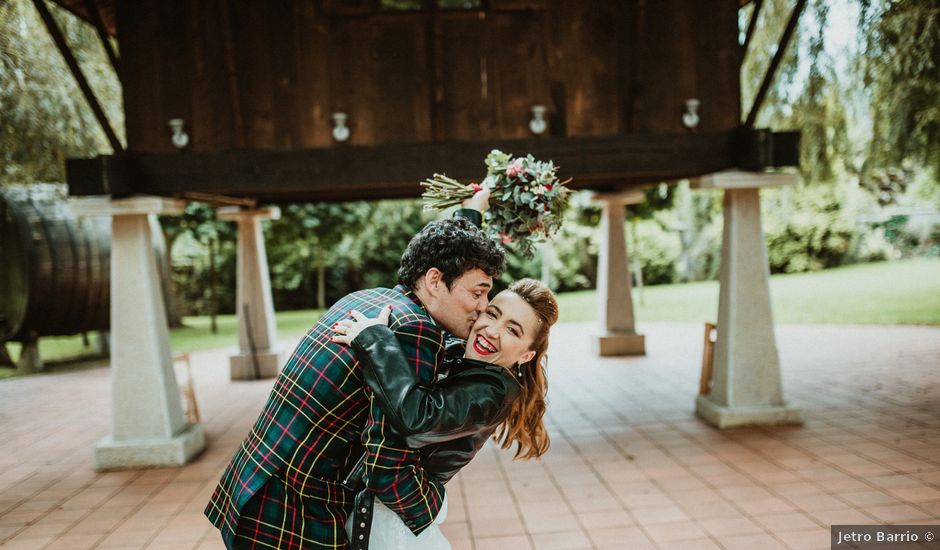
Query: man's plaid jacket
{"x": 317, "y": 422}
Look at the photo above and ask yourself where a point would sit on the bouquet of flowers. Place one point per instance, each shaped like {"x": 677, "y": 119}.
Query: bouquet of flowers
{"x": 527, "y": 201}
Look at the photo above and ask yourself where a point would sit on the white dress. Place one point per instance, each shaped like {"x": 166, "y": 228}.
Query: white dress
{"x": 389, "y": 532}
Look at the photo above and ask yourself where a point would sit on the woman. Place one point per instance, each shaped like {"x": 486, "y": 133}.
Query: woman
{"x": 497, "y": 386}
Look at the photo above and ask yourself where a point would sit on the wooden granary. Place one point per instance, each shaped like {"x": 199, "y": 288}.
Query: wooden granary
{"x": 243, "y": 101}
{"x": 422, "y": 86}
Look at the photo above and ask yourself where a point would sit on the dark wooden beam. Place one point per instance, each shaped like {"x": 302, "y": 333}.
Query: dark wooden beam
{"x": 77, "y": 73}
{"x": 79, "y": 9}
{"x": 774, "y": 63}
{"x": 95, "y": 16}
{"x": 751, "y": 25}
{"x": 102, "y": 175}
{"x": 394, "y": 171}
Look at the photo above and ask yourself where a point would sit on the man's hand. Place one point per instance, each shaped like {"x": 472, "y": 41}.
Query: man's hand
{"x": 480, "y": 201}
{"x": 347, "y": 329}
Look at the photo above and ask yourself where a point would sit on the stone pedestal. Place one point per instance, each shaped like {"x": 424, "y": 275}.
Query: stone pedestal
{"x": 746, "y": 387}
{"x": 259, "y": 354}
{"x": 102, "y": 343}
{"x": 147, "y": 425}
{"x": 5, "y": 359}
{"x": 617, "y": 333}
{"x": 30, "y": 360}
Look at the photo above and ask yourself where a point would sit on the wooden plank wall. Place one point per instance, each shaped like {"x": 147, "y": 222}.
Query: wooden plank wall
{"x": 686, "y": 49}
{"x": 267, "y": 75}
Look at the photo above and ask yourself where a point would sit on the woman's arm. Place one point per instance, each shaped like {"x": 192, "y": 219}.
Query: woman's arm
{"x": 473, "y": 216}
{"x": 474, "y": 207}
{"x": 442, "y": 412}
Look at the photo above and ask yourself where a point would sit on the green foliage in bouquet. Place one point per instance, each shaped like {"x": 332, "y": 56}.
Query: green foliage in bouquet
{"x": 527, "y": 201}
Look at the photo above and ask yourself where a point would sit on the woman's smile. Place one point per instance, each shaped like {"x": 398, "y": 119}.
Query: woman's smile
{"x": 484, "y": 346}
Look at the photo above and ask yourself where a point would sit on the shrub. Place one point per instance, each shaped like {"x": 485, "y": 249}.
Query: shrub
{"x": 806, "y": 229}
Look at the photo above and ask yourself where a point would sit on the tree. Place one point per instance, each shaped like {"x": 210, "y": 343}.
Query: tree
{"x": 777, "y": 106}
{"x": 43, "y": 116}
{"x": 697, "y": 214}
{"x": 198, "y": 283}
{"x": 375, "y": 253}
{"x": 901, "y": 66}
{"x": 303, "y": 243}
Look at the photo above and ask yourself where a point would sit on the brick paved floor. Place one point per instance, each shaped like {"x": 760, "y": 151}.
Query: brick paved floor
{"x": 630, "y": 466}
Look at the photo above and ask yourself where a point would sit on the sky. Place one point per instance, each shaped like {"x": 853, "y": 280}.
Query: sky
{"x": 842, "y": 31}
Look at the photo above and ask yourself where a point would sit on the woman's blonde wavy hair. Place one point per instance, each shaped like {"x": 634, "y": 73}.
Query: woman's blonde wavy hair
{"x": 525, "y": 422}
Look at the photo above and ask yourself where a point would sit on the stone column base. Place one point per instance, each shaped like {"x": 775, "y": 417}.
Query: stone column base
{"x": 619, "y": 343}
{"x": 150, "y": 453}
{"x": 5, "y": 359}
{"x": 722, "y": 416}
{"x": 29, "y": 360}
{"x": 242, "y": 366}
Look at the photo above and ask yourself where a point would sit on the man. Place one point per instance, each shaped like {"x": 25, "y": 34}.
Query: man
{"x": 282, "y": 488}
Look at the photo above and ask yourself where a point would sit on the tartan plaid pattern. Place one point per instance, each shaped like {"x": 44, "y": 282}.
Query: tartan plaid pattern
{"x": 281, "y": 489}
{"x": 277, "y": 517}
{"x": 392, "y": 470}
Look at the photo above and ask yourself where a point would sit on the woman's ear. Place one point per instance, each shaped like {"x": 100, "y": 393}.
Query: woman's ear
{"x": 526, "y": 357}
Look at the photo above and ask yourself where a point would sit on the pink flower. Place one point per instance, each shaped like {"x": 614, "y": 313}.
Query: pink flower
{"x": 506, "y": 239}
{"x": 516, "y": 168}
{"x": 476, "y": 187}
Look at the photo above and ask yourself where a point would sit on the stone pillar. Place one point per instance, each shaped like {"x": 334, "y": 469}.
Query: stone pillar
{"x": 147, "y": 424}
{"x": 746, "y": 387}
{"x": 617, "y": 332}
{"x": 260, "y": 355}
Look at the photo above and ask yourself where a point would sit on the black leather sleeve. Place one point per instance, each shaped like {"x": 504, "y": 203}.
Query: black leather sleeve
{"x": 473, "y": 216}
{"x": 451, "y": 409}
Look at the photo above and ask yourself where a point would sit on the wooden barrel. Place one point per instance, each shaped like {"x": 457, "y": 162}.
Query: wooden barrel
{"x": 55, "y": 270}
{"x": 55, "y": 275}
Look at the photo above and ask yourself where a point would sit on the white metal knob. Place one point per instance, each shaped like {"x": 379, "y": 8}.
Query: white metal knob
{"x": 180, "y": 139}
{"x": 340, "y": 130}
{"x": 538, "y": 125}
{"x": 690, "y": 118}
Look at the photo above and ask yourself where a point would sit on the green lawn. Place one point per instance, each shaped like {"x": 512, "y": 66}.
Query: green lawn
{"x": 196, "y": 334}
{"x": 891, "y": 293}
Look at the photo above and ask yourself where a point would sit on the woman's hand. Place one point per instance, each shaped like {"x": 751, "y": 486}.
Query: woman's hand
{"x": 347, "y": 329}
{"x": 480, "y": 201}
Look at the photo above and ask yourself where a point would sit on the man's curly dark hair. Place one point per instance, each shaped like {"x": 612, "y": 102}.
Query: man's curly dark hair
{"x": 454, "y": 246}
